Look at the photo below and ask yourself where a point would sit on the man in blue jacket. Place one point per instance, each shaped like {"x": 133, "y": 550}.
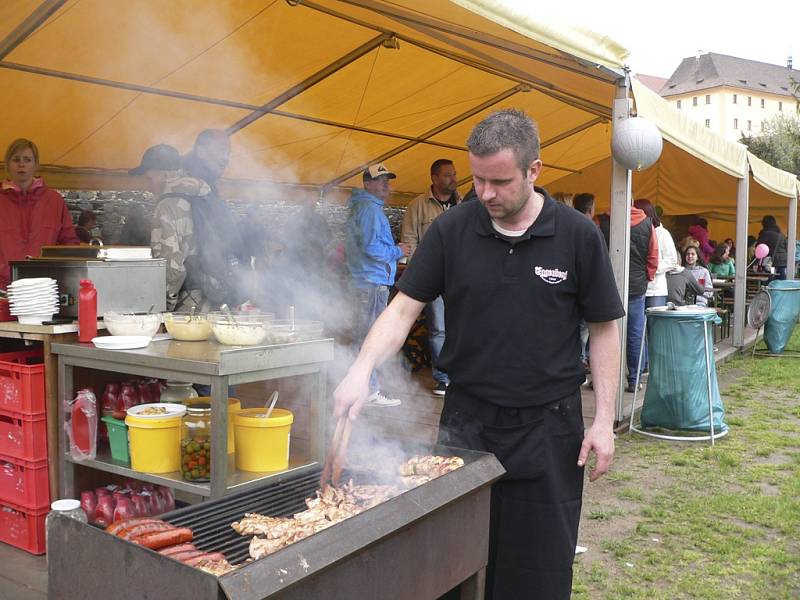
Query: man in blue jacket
{"x": 372, "y": 256}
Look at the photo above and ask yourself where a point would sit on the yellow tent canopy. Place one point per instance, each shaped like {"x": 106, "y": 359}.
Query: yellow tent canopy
{"x": 310, "y": 91}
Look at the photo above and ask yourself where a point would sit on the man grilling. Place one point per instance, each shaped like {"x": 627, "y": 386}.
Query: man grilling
{"x": 194, "y": 229}
{"x": 517, "y": 272}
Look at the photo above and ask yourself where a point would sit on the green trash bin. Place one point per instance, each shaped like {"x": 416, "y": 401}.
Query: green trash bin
{"x": 682, "y": 371}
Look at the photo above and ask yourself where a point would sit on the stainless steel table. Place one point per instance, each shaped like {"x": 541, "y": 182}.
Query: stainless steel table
{"x": 205, "y": 363}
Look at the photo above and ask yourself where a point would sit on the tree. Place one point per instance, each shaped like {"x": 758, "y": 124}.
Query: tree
{"x": 778, "y": 144}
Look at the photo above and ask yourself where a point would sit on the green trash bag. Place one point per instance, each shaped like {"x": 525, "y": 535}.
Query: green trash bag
{"x": 785, "y": 309}
{"x": 677, "y": 390}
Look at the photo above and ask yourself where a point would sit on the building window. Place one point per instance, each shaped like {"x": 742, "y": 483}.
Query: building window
{"x": 780, "y": 106}
{"x": 694, "y": 101}
{"x": 736, "y": 123}
{"x": 749, "y": 125}
{"x": 708, "y": 122}
{"x": 708, "y": 99}
{"x": 735, "y": 98}
{"x": 749, "y": 101}
{"x": 762, "y": 103}
{"x": 679, "y": 104}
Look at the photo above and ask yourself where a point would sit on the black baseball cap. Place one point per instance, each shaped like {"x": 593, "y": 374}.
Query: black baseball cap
{"x": 161, "y": 158}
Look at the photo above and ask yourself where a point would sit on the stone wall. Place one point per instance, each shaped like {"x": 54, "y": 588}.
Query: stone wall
{"x": 124, "y": 216}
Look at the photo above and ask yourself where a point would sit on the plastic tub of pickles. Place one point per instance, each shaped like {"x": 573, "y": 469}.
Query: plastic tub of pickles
{"x": 287, "y": 332}
{"x": 246, "y": 329}
{"x": 187, "y": 327}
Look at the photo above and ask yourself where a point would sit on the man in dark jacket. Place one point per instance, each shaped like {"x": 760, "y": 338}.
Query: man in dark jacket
{"x": 772, "y": 236}
{"x": 643, "y": 265}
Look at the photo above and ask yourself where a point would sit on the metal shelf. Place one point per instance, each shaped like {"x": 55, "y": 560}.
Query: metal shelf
{"x": 237, "y": 480}
{"x": 208, "y": 363}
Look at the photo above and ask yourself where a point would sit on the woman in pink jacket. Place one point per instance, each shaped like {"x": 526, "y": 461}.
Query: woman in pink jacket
{"x": 33, "y": 214}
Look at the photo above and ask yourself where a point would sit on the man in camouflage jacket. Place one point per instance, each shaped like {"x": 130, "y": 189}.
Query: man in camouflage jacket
{"x": 173, "y": 235}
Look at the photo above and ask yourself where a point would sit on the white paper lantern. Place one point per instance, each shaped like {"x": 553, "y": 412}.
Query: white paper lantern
{"x": 636, "y": 143}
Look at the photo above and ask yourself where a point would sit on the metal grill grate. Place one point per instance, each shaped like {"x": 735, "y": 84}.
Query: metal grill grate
{"x": 211, "y": 521}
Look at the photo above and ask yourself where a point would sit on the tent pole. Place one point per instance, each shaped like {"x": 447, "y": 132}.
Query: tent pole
{"x": 740, "y": 285}
{"x": 792, "y": 237}
{"x": 436, "y": 130}
{"x": 31, "y": 23}
{"x": 619, "y": 246}
{"x": 310, "y": 81}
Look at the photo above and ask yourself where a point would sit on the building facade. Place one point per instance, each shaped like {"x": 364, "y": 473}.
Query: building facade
{"x": 732, "y": 96}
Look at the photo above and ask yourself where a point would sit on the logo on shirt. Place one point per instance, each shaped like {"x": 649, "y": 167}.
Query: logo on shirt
{"x": 551, "y": 276}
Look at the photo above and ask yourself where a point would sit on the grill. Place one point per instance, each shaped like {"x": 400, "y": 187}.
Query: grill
{"x": 417, "y": 545}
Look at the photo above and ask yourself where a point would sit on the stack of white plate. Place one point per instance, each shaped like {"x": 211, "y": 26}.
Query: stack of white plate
{"x": 33, "y": 300}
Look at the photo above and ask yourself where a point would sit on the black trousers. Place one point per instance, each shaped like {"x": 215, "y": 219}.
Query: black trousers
{"x": 535, "y": 507}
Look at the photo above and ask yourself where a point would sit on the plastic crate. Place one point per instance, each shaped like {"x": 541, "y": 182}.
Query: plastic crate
{"x": 23, "y": 528}
{"x": 22, "y": 383}
{"x": 24, "y": 483}
{"x": 23, "y": 436}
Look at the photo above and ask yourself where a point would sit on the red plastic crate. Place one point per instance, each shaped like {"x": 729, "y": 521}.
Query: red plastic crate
{"x": 23, "y": 528}
{"x": 23, "y": 436}
{"x": 24, "y": 483}
{"x": 22, "y": 383}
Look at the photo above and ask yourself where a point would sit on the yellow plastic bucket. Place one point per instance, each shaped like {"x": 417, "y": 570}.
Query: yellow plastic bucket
{"x": 155, "y": 443}
{"x": 234, "y": 407}
{"x": 262, "y": 444}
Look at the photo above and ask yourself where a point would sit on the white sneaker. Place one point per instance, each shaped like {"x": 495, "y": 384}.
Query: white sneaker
{"x": 378, "y": 399}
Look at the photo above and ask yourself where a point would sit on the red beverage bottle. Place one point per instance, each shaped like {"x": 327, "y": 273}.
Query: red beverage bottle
{"x": 87, "y": 311}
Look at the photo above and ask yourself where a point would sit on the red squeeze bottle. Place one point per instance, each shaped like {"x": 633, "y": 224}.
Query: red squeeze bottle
{"x": 87, "y": 311}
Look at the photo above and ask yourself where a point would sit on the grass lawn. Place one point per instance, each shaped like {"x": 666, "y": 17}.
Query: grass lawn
{"x": 684, "y": 520}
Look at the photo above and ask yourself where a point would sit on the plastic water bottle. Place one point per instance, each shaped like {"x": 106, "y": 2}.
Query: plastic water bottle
{"x": 87, "y": 311}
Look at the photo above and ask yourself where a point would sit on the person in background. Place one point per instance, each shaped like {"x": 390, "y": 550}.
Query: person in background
{"x": 33, "y": 215}
{"x": 721, "y": 264}
{"x": 731, "y": 249}
{"x": 643, "y": 267}
{"x": 694, "y": 264}
{"x": 603, "y": 221}
{"x": 87, "y": 221}
{"x": 208, "y": 260}
{"x": 564, "y": 197}
{"x": 751, "y": 250}
{"x": 420, "y": 213}
{"x": 772, "y": 236}
{"x": 517, "y": 271}
{"x": 159, "y": 164}
{"x": 584, "y": 204}
{"x": 699, "y": 231}
{"x": 656, "y": 294}
{"x": 686, "y": 242}
{"x": 372, "y": 257}
{"x": 680, "y": 281}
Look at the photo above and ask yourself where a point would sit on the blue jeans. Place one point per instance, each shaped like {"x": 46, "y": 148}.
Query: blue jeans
{"x": 635, "y": 332}
{"x": 369, "y": 302}
{"x": 583, "y": 334}
{"x": 434, "y": 319}
{"x": 650, "y": 302}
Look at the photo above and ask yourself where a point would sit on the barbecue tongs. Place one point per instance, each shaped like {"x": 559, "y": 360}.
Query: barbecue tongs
{"x": 334, "y": 461}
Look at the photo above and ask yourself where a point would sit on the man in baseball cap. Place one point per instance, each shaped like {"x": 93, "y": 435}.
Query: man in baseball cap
{"x": 158, "y": 158}
{"x": 378, "y": 171}
{"x": 371, "y": 254}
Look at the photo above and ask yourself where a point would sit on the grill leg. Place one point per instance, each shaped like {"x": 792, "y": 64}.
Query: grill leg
{"x": 472, "y": 588}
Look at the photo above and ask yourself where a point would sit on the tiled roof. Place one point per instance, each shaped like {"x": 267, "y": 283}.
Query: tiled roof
{"x": 715, "y": 70}
{"x": 653, "y": 82}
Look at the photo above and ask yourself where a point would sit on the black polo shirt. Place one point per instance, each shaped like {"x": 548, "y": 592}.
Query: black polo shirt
{"x": 512, "y": 309}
